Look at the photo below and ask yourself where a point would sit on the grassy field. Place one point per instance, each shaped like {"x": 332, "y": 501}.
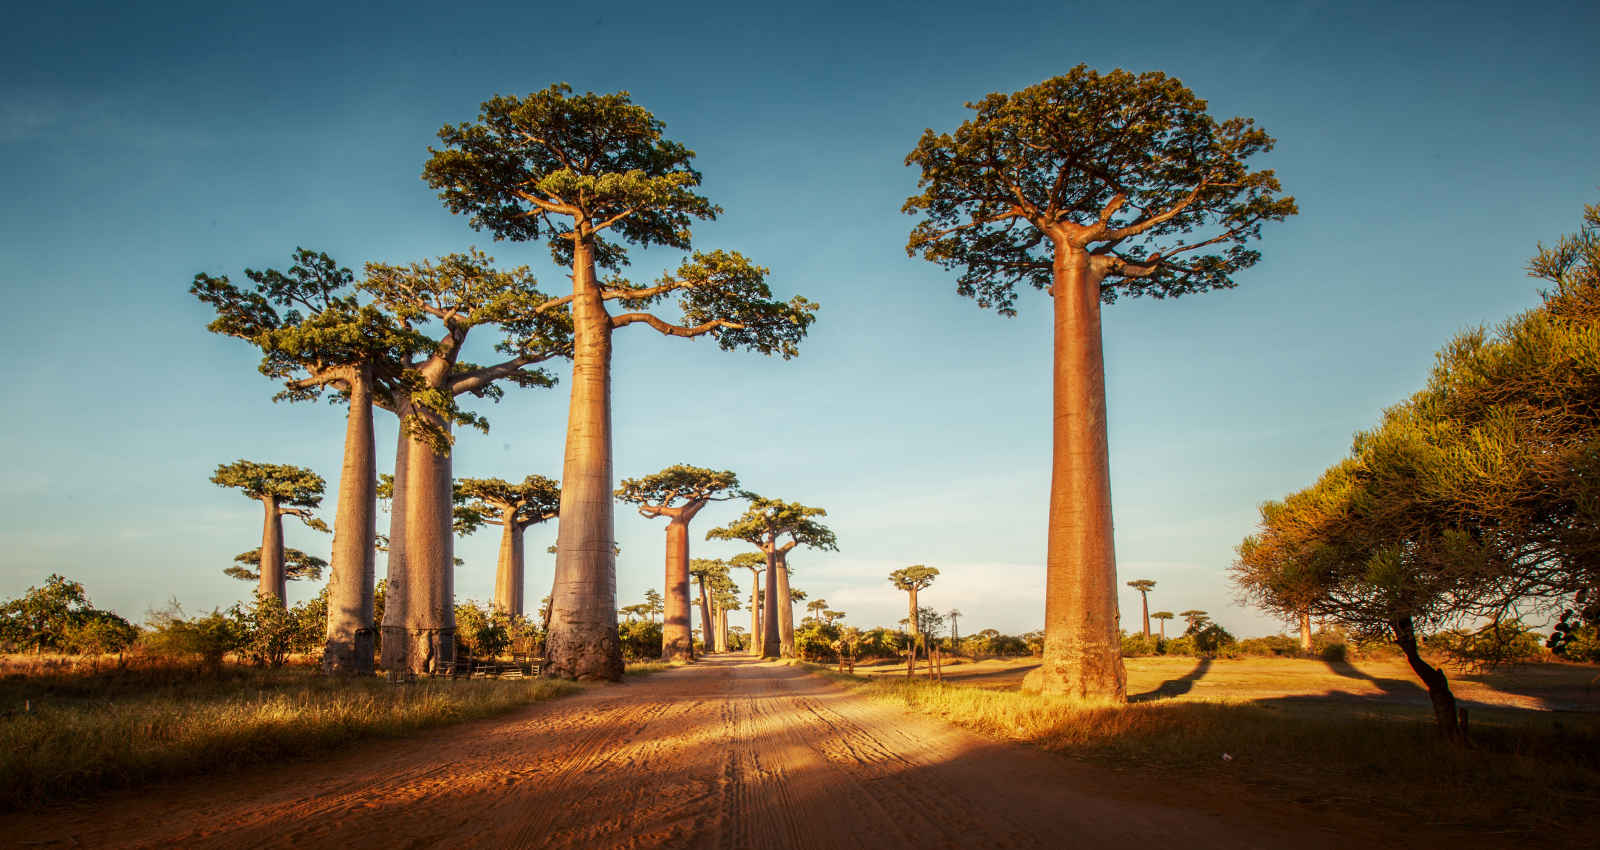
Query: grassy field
{"x": 1357, "y": 736}
{"x": 68, "y": 729}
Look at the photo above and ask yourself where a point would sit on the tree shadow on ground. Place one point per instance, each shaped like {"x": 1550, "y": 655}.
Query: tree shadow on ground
{"x": 1175, "y": 687}
{"x": 1391, "y": 687}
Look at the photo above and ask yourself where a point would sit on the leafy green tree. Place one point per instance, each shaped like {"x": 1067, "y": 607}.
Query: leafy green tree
{"x": 1144, "y": 586}
{"x": 297, "y": 566}
{"x": 1089, "y": 186}
{"x": 765, "y": 524}
{"x": 816, "y": 607}
{"x": 282, "y": 490}
{"x": 316, "y": 334}
{"x": 678, "y": 493}
{"x": 58, "y": 616}
{"x": 515, "y": 508}
{"x": 912, "y": 579}
{"x": 588, "y": 174}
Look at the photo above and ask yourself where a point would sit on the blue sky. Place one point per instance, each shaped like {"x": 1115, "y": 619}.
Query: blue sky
{"x": 1430, "y": 150}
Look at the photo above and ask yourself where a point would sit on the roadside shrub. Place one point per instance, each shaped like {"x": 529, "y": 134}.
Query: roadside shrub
{"x": 52, "y": 616}
{"x": 1335, "y": 652}
{"x": 1139, "y": 644}
{"x": 814, "y": 642}
{"x": 205, "y": 640}
{"x": 641, "y": 640}
{"x": 103, "y": 632}
{"x": 1271, "y": 646}
{"x": 480, "y": 631}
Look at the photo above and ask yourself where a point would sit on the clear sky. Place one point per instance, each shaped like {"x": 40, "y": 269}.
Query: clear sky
{"x": 1430, "y": 148}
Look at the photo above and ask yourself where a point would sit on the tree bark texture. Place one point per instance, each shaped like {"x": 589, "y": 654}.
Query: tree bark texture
{"x": 771, "y": 639}
{"x": 1305, "y": 632}
{"x": 430, "y": 555}
{"x": 394, "y": 595}
{"x": 911, "y": 592}
{"x": 785, "y": 607}
{"x": 583, "y": 641}
{"x": 353, "y": 571}
{"x": 706, "y": 622}
{"x": 1444, "y": 702}
{"x": 677, "y": 637}
{"x": 1082, "y": 649}
{"x": 755, "y": 614}
{"x": 272, "y": 580}
{"x": 1144, "y": 608}
{"x": 510, "y": 570}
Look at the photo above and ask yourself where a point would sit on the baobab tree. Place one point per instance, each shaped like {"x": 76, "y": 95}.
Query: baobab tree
{"x": 726, "y": 599}
{"x": 515, "y": 508}
{"x": 707, "y": 570}
{"x": 816, "y": 607}
{"x": 459, "y": 292}
{"x": 678, "y": 493}
{"x": 588, "y": 174}
{"x": 756, "y": 563}
{"x": 1144, "y": 586}
{"x": 315, "y": 333}
{"x": 765, "y": 524}
{"x": 912, "y": 579}
{"x": 1163, "y": 617}
{"x": 955, "y": 631}
{"x": 1088, "y": 186}
{"x": 282, "y": 490}
{"x": 297, "y": 565}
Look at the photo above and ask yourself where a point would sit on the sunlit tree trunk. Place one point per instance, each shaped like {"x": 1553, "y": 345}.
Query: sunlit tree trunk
{"x": 583, "y": 642}
{"x": 755, "y": 614}
{"x": 1144, "y": 608}
{"x": 395, "y": 642}
{"x": 771, "y": 635}
{"x": 706, "y": 619}
{"x": 353, "y": 570}
{"x": 509, "y": 570}
{"x": 677, "y": 636}
{"x": 272, "y": 583}
{"x": 1082, "y": 651}
{"x": 430, "y": 554}
{"x": 1305, "y": 632}
{"x": 785, "y": 607}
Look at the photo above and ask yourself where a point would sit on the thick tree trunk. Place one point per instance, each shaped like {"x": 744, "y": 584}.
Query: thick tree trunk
{"x": 510, "y": 569}
{"x": 272, "y": 581}
{"x": 677, "y": 636}
{"x": 912, "y": 593}
{"x": 706, "y": 621}
{"x": 1082, "y": 650}
{"x": 350, "y": 584}
{"x": 430, "y": 555}
{"x": 755, "y": 614}
{"x": 395, "y": 643}
{"x": 1144, "y": 609}
{"x": 1444, "y": 702}
{"x": 771, "y": 637}
{"x": 785, "y": 607}
{"x": 1305, "y": 632}
{"x": 583, "y": 642}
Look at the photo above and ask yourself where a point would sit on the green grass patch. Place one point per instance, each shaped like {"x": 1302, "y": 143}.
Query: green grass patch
{"x": 1525, "y": 774}
{"x": 64, "y": 736}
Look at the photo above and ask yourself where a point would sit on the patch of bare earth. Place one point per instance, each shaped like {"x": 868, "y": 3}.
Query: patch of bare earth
{"x": 727, "y": 753}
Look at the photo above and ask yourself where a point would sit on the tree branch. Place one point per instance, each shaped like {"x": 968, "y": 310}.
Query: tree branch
{"x": 477, "y": 379}
{"x": 670, "y": 329}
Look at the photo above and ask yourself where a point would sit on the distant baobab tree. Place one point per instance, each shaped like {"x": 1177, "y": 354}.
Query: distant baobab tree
{"x": 1163, "y": 617}
{"x": 1144, "y": 586}
{"x": 588, "y": 174}
{"x": 705, "y": 570}
{"x": 955, "y": 630}
{"x": 297, "y": 565}
{"x": 678, "y": 493}
{"x": 515, "y": 508}
{"x": 756, "y": 563}
{"x": 1087, "y": 186}
{"x": 765, "y": 524}
{"x": 816, "y": 607}
{"x": 912, "y": 579}
{"x": 282, "y": 490}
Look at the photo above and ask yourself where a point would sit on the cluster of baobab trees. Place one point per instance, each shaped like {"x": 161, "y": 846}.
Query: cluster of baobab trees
{"x": 1087, "y": 186}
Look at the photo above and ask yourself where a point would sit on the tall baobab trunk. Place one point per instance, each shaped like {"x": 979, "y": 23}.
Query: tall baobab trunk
{"x": 273, "y": 581}
{"x": 1144, "y": 608}
{"x": 1082, "y": 650}
{"x": 915, "y": 630}
{"x": 583, "y": 642}
{"x": 508, "y": 574}
{"x": 771, "y": 635}
{"x": 705, "y": 620}
{"x": 1305, "y": 632}
{"x": 722, "y": 630}
{"x": 350, "y": 585}
{"x": 395, "y": 642}
{"x": 677, "y": 636}
{"x": 430, "y": 620}
{"x": 1444, "y": 702}
{"x": 755, "y": 613}
{"x": 785, "y": 607}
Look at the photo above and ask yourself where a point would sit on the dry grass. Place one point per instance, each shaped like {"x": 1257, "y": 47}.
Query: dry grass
{"x": 1527, "y": 771}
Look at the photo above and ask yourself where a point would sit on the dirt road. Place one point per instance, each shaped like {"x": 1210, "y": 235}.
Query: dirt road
{"x": 723, "y": 754}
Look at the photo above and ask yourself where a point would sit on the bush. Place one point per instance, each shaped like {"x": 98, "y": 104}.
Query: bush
{"x": 1138, "y": 644}
{"x": 205, "y": 640}
{"x": 814, "y": 642}
{"x": 1271, "y": 646}
{"x": 100, "y": 633}
{"x": 53, "y": 616}
{"x": 480, "y": 631}
{"x": 1334, "y": 652}
{"x": 641, "y": 640}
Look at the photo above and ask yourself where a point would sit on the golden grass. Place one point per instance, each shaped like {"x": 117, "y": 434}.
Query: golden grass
{"x": 64, "y": 735}
{"x": 1525, "y": 774}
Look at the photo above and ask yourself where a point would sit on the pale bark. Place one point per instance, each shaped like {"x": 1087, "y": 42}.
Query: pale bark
{"x": 785, "y": 606}
{"x": 430, "y": 621}
{"x": 272, "y": 580}
{"x": 395, "y": 642}
{"x": 1144, "y": 608}
{"x": 677, "y": 638}
{"x": 510, "y": 568}
{"x": 912, "y": 593}
{"x": 755, "y": 614}
{"x": 1305, "y": 632}
{"x": 1082, "y": 651}
{"x": 353, "y": 570}
{"x": 771, "y": 637}
{"x": 583, "y": 641}
{"x": 706, "y": 621}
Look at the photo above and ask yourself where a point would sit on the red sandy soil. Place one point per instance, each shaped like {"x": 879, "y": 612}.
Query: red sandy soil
{"x": 727, "y": 753}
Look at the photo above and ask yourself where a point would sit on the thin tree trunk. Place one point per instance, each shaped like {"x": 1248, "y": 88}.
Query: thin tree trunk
{"x": 771, "y": 638}
{"x": 509, "y": 569}
{"x": 583, "y": 642}
{"x": 785, "y": 607}
{"x": 272, "y": 581}
{"x": 353, "y": 570}
{"x": 1144, "y": 608}
{"x": 755, "y": 614}
{"x": 430, "y": 555}
{"x": 1082, "y": 655}
{"x": 677, "y": 636}
{"x": 706, "y": 619}
{"x": 395, "y": 644}
{"x": 912, "y": 593}
{"x": 1305, "y": 632}
{"x": 722, "y": 630}
{"x": 1444, "y": 702}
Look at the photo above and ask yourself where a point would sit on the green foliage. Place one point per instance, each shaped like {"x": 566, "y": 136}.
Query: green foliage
{"x": 914, "y": 577}
{"x": 482, "y": 632}
{"x": 297, "y": 565}
{"x": 205, "y": 639}
{"x": 1271, "y": 646}
{"x": 675, "y": 485}
{"x": 817, "y": 641}
{"x": 57, "y": 616}
{"x": 1495, "y": 643}
{"x": 990, "y": 642}
{"x": 293, "y": 486}
{"x": 1138, "y": 644}
{"x": 1119, "y": 165}
{"x": 641, "y": 639}
{"x": 766, "y": 521}
{"x": 273, "y": 631}
{"x": 486, "y": 501}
